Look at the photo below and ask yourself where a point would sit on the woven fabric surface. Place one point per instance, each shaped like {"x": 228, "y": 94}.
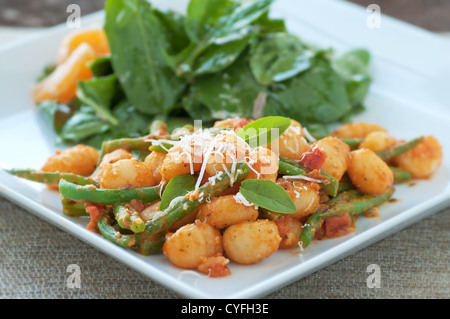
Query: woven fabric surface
{"x": 34, "y": 257}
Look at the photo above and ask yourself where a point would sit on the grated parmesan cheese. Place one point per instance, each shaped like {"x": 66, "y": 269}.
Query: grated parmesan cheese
{"x": 306, "y": 178}
{"x": 174, "y": 201}
{"x": 240, "y": 199}
{"x": 308, "y": 135}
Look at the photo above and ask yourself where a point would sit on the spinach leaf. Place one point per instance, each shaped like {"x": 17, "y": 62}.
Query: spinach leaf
{"x": 354, "y": 67}
{"x": 133, "y": 124}
{"x": 268, "y": 195}
{"x": 317, "y": 95}
{"x": 266, "y": 25}
{"x": 278, "y": 57}
{"x": 218, "y": 57}
{"x": 101, "y": 66}
{"x": 48, "y": 69}
{"x": 56, "y": 113}
{"x": 230, "y": 93}
{"x": 84, "y": 123}
{"x": 224, "y": 22}
{"x": 178, "y": 186}
{"x": 259, "y": 132}
{"x": 201, "y": 16}
{"x": 195, "y": 109}
{"x": 138, "y": 42}
{"x": 100, "y": 93}
{"x": 172, "y": 24}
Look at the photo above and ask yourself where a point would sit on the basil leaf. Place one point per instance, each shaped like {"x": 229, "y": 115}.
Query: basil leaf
{"x": 278, "y": 57}
{"x": 178, "y": 186}
{"x": 138, "y": 42}
{"x": 100, "y": 93}
{"x": 317, "y": 95}
{"x": 268, "y": 195}
{"x": 264, "y": 130}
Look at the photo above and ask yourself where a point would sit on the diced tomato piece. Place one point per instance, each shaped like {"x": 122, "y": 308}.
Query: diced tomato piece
{"x": 338, "y": 225}
{"x": 162, "y": 132}
{"x": 283, "y": 226}
{"x": 313, "y": 158}
{"x": 95, "y": 211}
{"x": 215, "y": 266}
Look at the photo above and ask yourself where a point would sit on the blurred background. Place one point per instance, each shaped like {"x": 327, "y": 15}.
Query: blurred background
{"x": 433, "y": 15}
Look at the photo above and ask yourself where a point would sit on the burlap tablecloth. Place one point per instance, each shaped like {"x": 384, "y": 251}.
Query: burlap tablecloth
{"x": 34, "y": 257}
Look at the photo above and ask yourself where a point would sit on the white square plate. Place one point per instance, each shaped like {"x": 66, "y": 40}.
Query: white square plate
{"x": 409, "y": 97}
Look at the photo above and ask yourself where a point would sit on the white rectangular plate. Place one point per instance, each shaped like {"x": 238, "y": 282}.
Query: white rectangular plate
{"x": 408, "y": 97}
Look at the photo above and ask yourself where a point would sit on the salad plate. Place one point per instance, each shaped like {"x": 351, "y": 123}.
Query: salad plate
{"x": 408, "y": 97}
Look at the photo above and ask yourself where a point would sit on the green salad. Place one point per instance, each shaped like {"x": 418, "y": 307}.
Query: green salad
{"x": 222, "y": 59}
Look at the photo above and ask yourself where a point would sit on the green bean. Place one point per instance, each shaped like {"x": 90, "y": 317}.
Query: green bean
{"x": 92, "y": 194}
{"x": 348, "y": 203}
{"x": 398, "y": 149}
{"x": 114, "y": 236}
{"x": 188, "y": 128}
{"x": 267, "y": 214}
{"x": 50, "y": 178}
{"x": 330, "y": 185}
{"x": 344, "y": 186}
{"x": 129, "y": 218}
{"x": 285, "y": 168}
{"x": 313, "y": 223}
{"x": 141, "y": 144}
{"x": 73, "y": 208}
{"x": 162, "y": 147}
{"x": 150, "y": 245}
{"x": 130, "y": 144}
{"x": 352, "y": 142}
{"x": 192, "y": 200}
{"x": 400, "y": 175}
{"x": 122, "y": 215}
{"x": 156, "y": 126}
{"x": 345, "y": 196}
{"x": 292, "y": 162}
{"x": 359, "y": 205}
